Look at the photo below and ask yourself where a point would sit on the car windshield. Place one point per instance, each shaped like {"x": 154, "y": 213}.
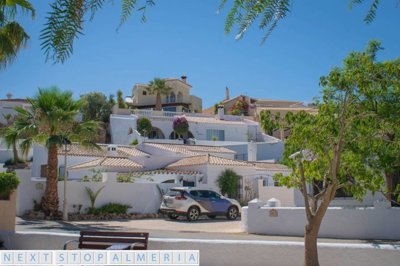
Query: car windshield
{"x": 173, "y": 193}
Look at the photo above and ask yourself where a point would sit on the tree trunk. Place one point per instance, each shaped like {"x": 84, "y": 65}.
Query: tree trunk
{"x": 50, "y": 197}
{"x": 15, "y": 151}
{"x": 310, "y": 243}
{"x": 158, "y": 101}
{"x": 392, "y": 180}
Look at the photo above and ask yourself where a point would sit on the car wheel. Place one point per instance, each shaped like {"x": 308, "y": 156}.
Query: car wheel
{"x": 211, "y": 216}
{"x": 232, "y": 213}
{"x": 172, "y": 216}
{"x": 193, "y": 213}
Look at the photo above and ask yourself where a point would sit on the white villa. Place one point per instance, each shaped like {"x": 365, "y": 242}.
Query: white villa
{"x": 233, "y": 132}
{"x": 178, "y": 99}
{"x": 179, "y": 164}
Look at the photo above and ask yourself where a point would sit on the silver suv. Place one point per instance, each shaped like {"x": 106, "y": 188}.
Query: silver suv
{"x": 193, "y": 202}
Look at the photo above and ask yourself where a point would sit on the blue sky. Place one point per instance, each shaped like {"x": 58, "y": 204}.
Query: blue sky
{"x": 187, "y": 37}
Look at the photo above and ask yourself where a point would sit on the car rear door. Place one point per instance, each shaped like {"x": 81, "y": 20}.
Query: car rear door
{"x": 219, "y": 204}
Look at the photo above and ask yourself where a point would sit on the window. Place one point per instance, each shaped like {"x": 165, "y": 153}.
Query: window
{"x": 172, "y": 97}
{"x": 194, "y": 193}
{"x": 169, "y": 109}
{"x": 203, "y": 193}
{"x": 180, "y": 97}
{"x": 213, "y": 195}
{"x": 61, "y": 171}
{"x": 215, "y": 134}
{"x": 144, "y": 92}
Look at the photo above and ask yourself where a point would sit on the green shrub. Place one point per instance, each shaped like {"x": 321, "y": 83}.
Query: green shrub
{"x": 144, "y": 126}
{"x": 116, "y": 208}
{"x": 8, "y": 183}
{"x": 11, "y": 162}
{"x": 228, "y": 183}
{"x": 135, "y": 142}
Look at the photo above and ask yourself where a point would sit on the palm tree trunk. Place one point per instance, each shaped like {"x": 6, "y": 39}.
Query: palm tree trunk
{"x": 158, "y": 101}
{"x": 50, "y": 198}
{"x": 15, "y": 151}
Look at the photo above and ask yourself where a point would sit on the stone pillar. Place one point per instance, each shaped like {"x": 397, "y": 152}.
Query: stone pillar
{"x": 8, "y": 212}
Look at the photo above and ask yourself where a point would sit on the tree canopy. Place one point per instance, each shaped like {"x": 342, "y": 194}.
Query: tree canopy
{"x": 228, "y": 183}
{"x": 96, "y": 106}
{"x": 65, "y": 21}
{"x": 346, "y": 144}
{"x": 12, "y": 35}
{"x": 51, "y": 121}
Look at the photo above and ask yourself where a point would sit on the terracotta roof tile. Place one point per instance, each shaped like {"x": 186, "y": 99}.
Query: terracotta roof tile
{"x": 130, "y": 151}
{"x": 271, "y": 166}
{"x": 108, "y": 162}
{"x": 167, "y": 172}
{"x": 123, "y": 151}
{"x": 191, "y": 149}
{"x": 208, "y": 159}
{"x": 78, "y": 150}
{"x": 212, "y": 120}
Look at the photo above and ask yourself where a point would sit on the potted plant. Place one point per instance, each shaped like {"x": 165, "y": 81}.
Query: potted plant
{"x": 181, "y": 126}
{"x": 8, "y": 184}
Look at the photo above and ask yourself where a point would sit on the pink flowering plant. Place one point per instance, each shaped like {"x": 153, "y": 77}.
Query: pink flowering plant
{"x": 180, "y": 125}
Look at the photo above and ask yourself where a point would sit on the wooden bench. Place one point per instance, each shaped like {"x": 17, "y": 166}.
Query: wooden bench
{"x": 108, "y": 239}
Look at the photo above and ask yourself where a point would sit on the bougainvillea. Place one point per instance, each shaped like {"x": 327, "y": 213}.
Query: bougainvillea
{"x": 180, "y": 125}
{"x": 240, "y": 107}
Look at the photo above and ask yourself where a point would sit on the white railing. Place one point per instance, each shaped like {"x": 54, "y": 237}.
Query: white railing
{"x": 153, "y": 113}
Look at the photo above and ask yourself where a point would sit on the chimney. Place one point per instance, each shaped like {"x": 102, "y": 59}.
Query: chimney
{"x": 251, "y": 151}
{"x": 112, "y": 150}
{"x": 221, "y": 112}
{"x": 9, "y": 95}
{"x": 183, "y": 78}
{"x": 227, "y": 93}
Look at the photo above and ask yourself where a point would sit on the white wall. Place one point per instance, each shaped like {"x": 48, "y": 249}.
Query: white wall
{"x": 121, "y": 125}
{"x": 40, "y": 158}
{"x": 353, "y": 223}
{"x": 291, "y": 197}
{"x": 283, "y": 194}
{"x": 143, "y": 197}
{"x": 270, "y": 151}
{"x": 222, "y": 252}
{"x": 7, "y": 153}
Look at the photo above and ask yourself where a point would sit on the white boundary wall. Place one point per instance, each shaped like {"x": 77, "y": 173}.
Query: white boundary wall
{"x": 221, "y": 252}
{"x": 143, "y": 197}
{"x": 354, "y": 223}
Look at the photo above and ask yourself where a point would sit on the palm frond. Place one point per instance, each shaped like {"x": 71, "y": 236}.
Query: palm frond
{"x": 94, "y": 6}
{"x": 371, "y": 14}
{"x": 93, "y": 195}
{"x": 64, "y": 25}
{"x": 128, "y": 6}
{"x": 244, "y": 13}
{"x": 12, "y": 39}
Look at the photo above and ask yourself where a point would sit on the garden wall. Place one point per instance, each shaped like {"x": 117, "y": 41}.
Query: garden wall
{"x": 143, "y": 197}
{"x": 378, "y": 222}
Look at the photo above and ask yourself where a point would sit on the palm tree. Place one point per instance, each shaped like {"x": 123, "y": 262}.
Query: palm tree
{"x": 51, "y": 120}
{"x": 157, "y": 86}
{"x": 12, "y": 35}
{"x": 11, "y": 136}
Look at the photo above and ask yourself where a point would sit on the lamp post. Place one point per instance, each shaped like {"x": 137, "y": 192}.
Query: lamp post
{"x": 144, "y": 133}
{"x": 66, "y": 149}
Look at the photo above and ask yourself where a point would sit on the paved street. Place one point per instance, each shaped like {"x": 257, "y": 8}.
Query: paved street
{"x": 221, "y": 243}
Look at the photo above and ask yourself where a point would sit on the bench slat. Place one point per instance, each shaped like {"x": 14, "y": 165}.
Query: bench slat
{"x": 119, "y": 234}
{"x": 112, "y": 240}
{"x": 104, "y": 239}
